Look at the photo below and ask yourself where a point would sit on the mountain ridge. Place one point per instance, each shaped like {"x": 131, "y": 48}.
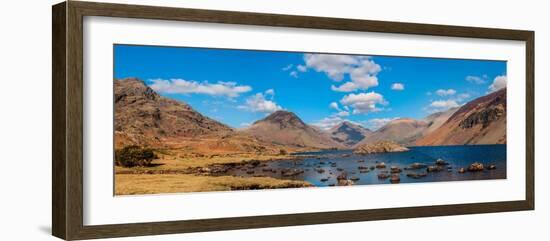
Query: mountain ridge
{"x": 480, "y": 121}
{"x": 286, "y": 128}
{"x": 349, "y": 134}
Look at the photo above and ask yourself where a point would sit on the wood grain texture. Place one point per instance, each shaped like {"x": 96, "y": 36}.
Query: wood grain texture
{"x": 58, "y": 121}
{"x": 67, "y": 150}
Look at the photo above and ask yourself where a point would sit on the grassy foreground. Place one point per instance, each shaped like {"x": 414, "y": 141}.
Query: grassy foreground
{"x": 169, "y": 174}
{"x": 130, "y": 184}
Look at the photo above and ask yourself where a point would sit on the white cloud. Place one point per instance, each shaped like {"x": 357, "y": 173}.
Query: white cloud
{"x": 258, "y": 103}
{"x": 328, "y": 122}
{"x": 376, "y": 123}
{"x": 301, "y": 68}
{"x": 363, "y": 103}
{"x": 362, "y": 71}
{"x": 462, "y": 97}
{"x": 477, "y": 79}
{"x": 498, "y": 83}
{"x": 245, "y": 124}
{"x": 288, "y": 67}
{"x": 397, "y": 86}
{"x": 293, "y": 74}
{"x": 335, "y": 66}
{"x": 270, "y": 92}
{"x": 342, "y": 113}
{"x": 447, "y": 92}
{"x": 334, "y": 106}
{"x": 441, "y": 105}
{"x": 180, "y": 86}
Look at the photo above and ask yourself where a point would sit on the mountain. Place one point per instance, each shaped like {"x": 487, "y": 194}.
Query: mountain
{"x": 285, "y": 128}
{"x": 143, "y": 117}
{"x": 480, "y": 121}
{"x": 437, "y": 119}
{"x": 403, "y": 131}
{"x": 348, "y": 133}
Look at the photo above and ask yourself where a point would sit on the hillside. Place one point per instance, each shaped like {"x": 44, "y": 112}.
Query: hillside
{"x": 143, "y": 117}
{"x": 348, "y": 133}
{"x": 437, "y": 119}
{"x": 285, "y": 128}
{"x": 480, "y": 121}
{"x": 403, "y": 131}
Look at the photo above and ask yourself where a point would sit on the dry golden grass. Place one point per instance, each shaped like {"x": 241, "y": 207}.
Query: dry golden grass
{"x": 172, "y": 161}
{"x": 131, "y": 184}
{"x": 132, "y": 180}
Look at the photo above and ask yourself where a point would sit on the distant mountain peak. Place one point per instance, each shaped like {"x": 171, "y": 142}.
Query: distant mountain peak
{"x": 349, "y": 133}
{"x": 286, "y": 128}
{"x": 284, "y": 119}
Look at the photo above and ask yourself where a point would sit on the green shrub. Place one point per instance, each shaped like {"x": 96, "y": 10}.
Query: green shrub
{"x": 132, "y": 156}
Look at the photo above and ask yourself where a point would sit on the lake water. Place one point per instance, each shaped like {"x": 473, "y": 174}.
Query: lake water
{"x": 335, "y": 162}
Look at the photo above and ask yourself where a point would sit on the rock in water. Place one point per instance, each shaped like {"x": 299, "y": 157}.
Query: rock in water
{"x": 475, "y": 167}
{"x": 416, "y": 166}
{"x": 379, "y": 147}
{"x": 381, "y": 165}
{"x": 395, "y": 178}
{"x": 441, "y": 162}
{"x": 395, "y": 169}
{"x": 383, "y": 175}
{"x": 417, "y": 175}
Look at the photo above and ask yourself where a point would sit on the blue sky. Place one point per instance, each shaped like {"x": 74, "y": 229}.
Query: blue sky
{"x": 238, "y": 87}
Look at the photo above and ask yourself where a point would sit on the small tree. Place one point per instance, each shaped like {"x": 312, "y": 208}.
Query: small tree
{"x": 131, "y": 156}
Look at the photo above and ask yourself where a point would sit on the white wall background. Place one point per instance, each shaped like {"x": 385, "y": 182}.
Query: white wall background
{"x": 25, "y": 119}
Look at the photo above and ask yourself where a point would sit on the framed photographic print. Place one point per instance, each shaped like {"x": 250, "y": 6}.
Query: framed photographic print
{"x": 171, "y": 120}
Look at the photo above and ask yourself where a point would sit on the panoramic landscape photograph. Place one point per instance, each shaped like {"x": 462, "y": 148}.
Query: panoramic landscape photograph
{"x": 190, "y": 119}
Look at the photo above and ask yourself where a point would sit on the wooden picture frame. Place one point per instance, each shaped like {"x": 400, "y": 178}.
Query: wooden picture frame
{"x": 67, "y": 124}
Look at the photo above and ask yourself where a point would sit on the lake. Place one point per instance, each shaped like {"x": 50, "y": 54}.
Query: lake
{"x": 336, "y": 162}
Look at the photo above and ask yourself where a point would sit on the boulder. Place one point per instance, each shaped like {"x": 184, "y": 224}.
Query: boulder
{"x": 345, "y": 182}
{"x": 383, "y": 175}
{"x": 491, "y": 167}
{"x": 434, "y": 169}
{"x": 441, "y": 162}
{"x": 289, "y": 172}
{"x": 342, "y": 176}
{"x": 416, "y": 165}
{"x": 267, "y": 169}
{"x": 461, "y": 170}
{"x": 476, "y": 167}
{"x": 381, "y": 165}
{"x": 395, "y": 169}
{"x": 417, "y": 175}
{"x": 395, "y": 178}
